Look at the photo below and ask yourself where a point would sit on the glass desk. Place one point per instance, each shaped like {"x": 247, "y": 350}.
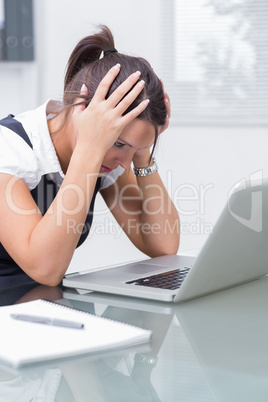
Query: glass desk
{"x": 214, "y": 348}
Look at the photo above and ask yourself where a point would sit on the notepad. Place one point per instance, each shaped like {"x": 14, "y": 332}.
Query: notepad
{"x": 24, "y": 342}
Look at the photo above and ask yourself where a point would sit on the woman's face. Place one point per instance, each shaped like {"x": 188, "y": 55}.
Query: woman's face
{"x": 136, "y": 138}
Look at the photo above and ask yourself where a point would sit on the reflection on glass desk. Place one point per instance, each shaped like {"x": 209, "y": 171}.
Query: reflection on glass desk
{"x": 210, "y": 349}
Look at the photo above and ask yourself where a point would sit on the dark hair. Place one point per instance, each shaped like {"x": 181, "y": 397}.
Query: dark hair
{"x": 86, "y": 67}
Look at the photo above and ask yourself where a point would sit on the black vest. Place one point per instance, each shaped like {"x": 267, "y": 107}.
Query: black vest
{"x": 10, "y": 273}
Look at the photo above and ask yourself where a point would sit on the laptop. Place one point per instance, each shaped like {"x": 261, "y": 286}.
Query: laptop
{"x": 235, "y": 253}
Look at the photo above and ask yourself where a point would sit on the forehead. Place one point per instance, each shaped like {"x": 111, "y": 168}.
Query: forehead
{"x": 138, "y": 134}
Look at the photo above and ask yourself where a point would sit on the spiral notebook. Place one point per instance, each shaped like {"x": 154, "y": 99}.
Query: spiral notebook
{"x": 25, "y": 342}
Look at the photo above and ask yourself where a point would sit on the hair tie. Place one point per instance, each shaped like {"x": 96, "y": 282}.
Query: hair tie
{"x": 108, "y": 51}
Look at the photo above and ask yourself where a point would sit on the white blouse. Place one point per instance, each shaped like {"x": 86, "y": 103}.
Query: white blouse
{"x": 19, "y": 159}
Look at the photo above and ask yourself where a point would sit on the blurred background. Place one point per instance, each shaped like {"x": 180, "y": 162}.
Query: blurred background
{"x": 212, "y": 56}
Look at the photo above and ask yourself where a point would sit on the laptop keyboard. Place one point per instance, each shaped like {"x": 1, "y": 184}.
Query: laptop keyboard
{"x": 166, "y": 280}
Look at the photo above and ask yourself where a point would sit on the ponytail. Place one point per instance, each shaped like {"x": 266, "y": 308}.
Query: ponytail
{"x": 87, "y": 51}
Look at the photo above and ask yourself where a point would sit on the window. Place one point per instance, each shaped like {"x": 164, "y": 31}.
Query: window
{"x": 216, "y": 61}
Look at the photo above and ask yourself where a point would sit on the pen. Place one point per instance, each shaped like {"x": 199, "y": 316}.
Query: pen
{"x": 48, "y": 321}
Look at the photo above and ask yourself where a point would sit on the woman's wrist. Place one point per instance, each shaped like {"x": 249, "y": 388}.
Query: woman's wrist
{"x": 142, "y": 159}
{"x": 87, "y": 159}
{"x": 146, "y": 170}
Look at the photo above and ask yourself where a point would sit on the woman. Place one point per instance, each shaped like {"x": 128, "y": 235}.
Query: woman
{"x": 112, "y": 112}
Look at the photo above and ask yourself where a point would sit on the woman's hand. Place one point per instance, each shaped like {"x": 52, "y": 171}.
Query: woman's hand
{"x": 168, "y": 107}
{"x": 99, "y": 124}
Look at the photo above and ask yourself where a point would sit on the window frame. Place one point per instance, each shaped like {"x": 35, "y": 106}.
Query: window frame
{"x": 173, "y": 87}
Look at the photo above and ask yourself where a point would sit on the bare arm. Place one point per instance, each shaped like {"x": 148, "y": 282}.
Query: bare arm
{"x": 43, "y": 246}
{"x": 144, "y": 210}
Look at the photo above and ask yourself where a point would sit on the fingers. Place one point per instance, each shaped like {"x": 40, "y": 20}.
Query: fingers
{"x": 166, "y": 100}
{"x": 118, "y": 97}
{"x": 120, "y": 101}
{"x": 124, "y": 103}
{"x": 135, "y": 112}
{"x": 168, "y": 109}
{"x": 122, "y": 97}
{"x": 79, "y": 108}
{"x": 167, "y": 103}
{"x": 84, "y": 90}
{"x": 106, "y": 82}
{"x": 103, "y": 119}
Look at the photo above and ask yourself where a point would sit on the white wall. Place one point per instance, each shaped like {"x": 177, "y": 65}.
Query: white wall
{"x": 62, "y": 23}
{"x": 198, "y": 165}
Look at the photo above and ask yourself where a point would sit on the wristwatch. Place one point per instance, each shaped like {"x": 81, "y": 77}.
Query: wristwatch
{"x": 145, "y": 171}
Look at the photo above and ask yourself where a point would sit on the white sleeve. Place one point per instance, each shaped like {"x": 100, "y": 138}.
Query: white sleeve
{"x": 17, "y": 158}
{"x": 110, "y": 178}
